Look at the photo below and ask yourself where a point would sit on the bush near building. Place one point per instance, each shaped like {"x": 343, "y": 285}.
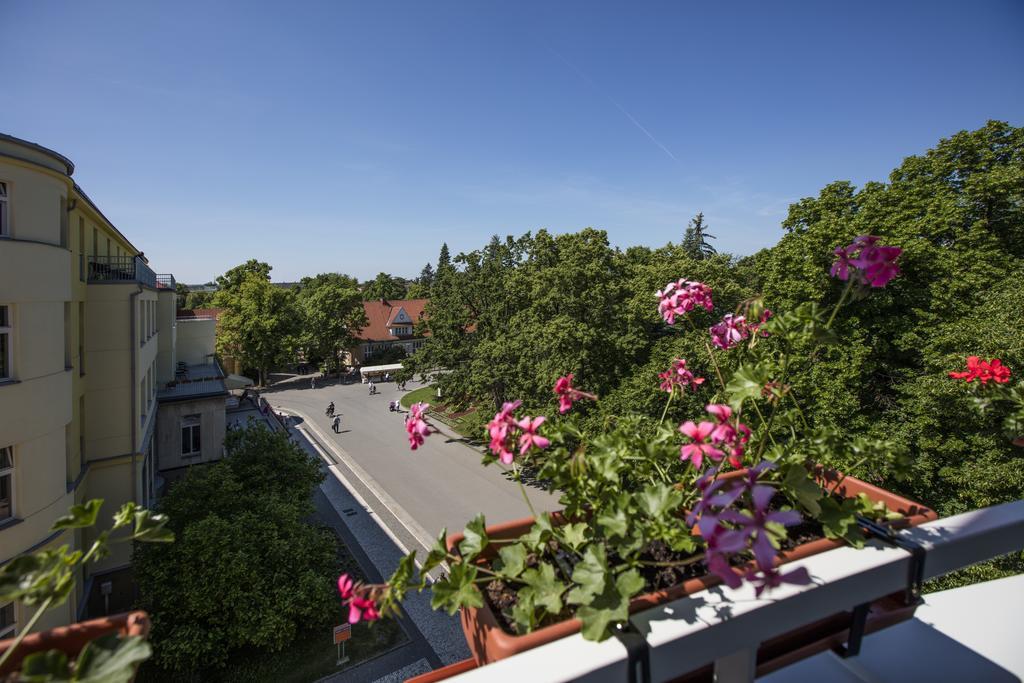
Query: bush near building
{"x": 249, "y": 570}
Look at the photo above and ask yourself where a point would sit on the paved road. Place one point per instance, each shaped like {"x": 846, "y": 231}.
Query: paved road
{"x": 440, "y": 485}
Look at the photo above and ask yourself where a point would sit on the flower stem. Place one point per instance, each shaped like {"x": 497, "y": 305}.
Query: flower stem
{"x": 676, "y": 563}
{"x": 671, "y": 393}
{"x": 839, "y": 304}
{"x": 25, "y": 631}
{"x": 522, "y": 489}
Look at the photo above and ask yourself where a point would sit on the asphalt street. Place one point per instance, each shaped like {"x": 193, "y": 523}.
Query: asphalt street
{"x": 440, "y": 485}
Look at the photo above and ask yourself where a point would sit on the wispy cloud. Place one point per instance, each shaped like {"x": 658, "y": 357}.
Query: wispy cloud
{"x": 615, "y": 102}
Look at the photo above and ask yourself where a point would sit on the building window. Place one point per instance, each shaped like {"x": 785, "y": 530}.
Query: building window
{"x": 64, "y": 222}
{"x": 81, "y": 249}
{"x": 6, "y": 483}
{"x": 6, "y": 344}
{"x": 7, "y": 621}
{"x": 5, "y": 227}
{"x": 190, "y": 443}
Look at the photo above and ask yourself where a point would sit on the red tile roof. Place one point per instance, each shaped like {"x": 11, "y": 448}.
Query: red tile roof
{"x": 380, "y": 312}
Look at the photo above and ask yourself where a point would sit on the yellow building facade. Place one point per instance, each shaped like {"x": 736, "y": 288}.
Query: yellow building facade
{"x": 81, "y": 317}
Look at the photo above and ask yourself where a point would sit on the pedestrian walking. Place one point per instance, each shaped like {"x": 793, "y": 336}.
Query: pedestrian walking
{"x": 336, "y": 425}
{"x": 312, "y": 382}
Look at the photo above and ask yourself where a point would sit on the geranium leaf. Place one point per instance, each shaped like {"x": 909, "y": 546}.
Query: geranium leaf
{"x": 573, "y": 534}
{"x": 456, "y": 590}
{"x": 801, "y": 488}
{"x": 589, "y": 575}
{"x": 438, "y": 553}
{"x": 547, "y": 590}
{"x": 513, "y": 559}
{"x": 474, "y": 538}
{"x": 111, "y": 659}
{"x": 659, "y": 500}
{"x": 79, "y": 516}
{"x": 746, "y": 382}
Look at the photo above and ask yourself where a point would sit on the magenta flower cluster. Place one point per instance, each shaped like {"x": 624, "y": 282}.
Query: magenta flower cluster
{"x": 682, "y": 296}
{"x": 870, "y": 263}
{"x": 728, "y": 530}
{"x": 567, "y": 393}
{"x": 679, "y": 376}
{"x": 734, "y": 328}
{"x": 506, "y": 432}
{"x": 715, "y": 440}
{"x": 415, "y": 426}
{"x": 361, "y": 605}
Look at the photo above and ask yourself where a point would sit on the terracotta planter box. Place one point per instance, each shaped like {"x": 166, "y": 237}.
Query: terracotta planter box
{"x": 72, "y": 638}
{"x": 489, "y": 642}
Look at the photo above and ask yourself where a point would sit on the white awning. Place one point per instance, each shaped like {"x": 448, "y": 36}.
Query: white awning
{"x": 379, "y": 369}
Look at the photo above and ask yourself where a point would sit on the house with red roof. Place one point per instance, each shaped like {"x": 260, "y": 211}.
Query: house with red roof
{"x": 390, "y": 323}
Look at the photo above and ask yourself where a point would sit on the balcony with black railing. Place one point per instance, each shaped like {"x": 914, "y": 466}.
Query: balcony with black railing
{"x": 106, "y": 269}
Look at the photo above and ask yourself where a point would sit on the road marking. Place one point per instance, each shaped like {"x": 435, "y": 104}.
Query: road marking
{"x": 390, "y": 504}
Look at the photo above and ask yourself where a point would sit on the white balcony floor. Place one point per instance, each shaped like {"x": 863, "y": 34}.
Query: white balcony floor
{"x": 966, "y": 634}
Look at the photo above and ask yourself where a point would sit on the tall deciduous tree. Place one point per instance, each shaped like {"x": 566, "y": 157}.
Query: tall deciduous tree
{"x": 260, "y": 323}
{"x": 332, "y": 314}
{"x": 384, "y": 286}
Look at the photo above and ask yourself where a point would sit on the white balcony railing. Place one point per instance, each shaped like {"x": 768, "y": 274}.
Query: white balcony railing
{"x": 724, "y": 627}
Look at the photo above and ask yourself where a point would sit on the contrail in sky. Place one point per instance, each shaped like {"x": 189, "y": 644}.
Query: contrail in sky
{"x": 618, "y": 106}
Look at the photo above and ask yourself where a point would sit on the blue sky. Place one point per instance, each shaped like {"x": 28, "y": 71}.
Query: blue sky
{"x": 357, "y": 137}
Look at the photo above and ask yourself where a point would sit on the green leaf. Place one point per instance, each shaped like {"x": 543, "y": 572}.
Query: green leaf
{"x": 475, "y": 538}
{"x": 150, "y": 527}
{"x": 574, "y": 534}
{"x": 613, "y": 524}
{"x": 513, "y": 560}
{"x": 606, "y": 609}
{"x": 839, "y": 519}
{"x": 51, "y": 665}
{"x": 111, "y": 659}
{"x": 125, "y": 515}
{"x": 629, "y": 583}
{"x": 659, "y": 501}
{"x": 747, "y": 381}
{"x": 79, "y": 516}
{"x": 539, "y": 533}
{"x": 438, "y": 553}
{"x": 456, "y": 590}
{"x": 590, "y": 575}
{"x": 524, "y": 611}
{"x": 797, "y": 483}
{"x": 544, "y": 589}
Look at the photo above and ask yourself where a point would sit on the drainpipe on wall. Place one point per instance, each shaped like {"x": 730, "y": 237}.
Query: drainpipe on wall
{"x": 132, "y": 316}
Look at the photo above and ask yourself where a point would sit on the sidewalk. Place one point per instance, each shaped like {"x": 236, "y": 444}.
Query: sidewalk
{"x": 436, "y": 639}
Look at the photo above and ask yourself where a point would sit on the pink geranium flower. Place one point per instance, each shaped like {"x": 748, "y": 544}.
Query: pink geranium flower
{"x": 679, "y": 376}
{"x": 701, "y": 446}
{"x": 502, "y": 429}
{"x": 681, "y": 297}
{"x": 731, "y": 435}
{"x": 530, "y": 438}
{"x": 729, "y": 332}
{"x": 567, "y": 393}
{"x": 872, "y": 264}
{"x": 345, "y": 586}
{"x": 359, "y": 598}
{"x": 415, "y": 426}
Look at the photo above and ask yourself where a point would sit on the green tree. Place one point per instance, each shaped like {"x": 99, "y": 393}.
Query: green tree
{"x": 695, "y": 241}
{"x": 233, "y": 279}
{"x": 384, "y": 286}
{"x": 247, "y": 570}
{"x": 260, "y": 323}
{"x": 332, "y": 314}
{"x": 181, "y": 294}
{"x": 196, "y": 300}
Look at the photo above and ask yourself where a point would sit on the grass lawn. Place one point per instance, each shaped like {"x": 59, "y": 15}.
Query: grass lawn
{"x": 310, "y": 656}
{"x": 461, "y": 422}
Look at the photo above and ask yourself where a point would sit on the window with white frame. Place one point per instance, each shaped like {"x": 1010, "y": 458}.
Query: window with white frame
{"x": 190, "y": 441}
{"x": 7, "y": 621}
{"x": 5, "y": 228}
{"x": 6, "y": 483}
{"x": 6, "y": 343}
